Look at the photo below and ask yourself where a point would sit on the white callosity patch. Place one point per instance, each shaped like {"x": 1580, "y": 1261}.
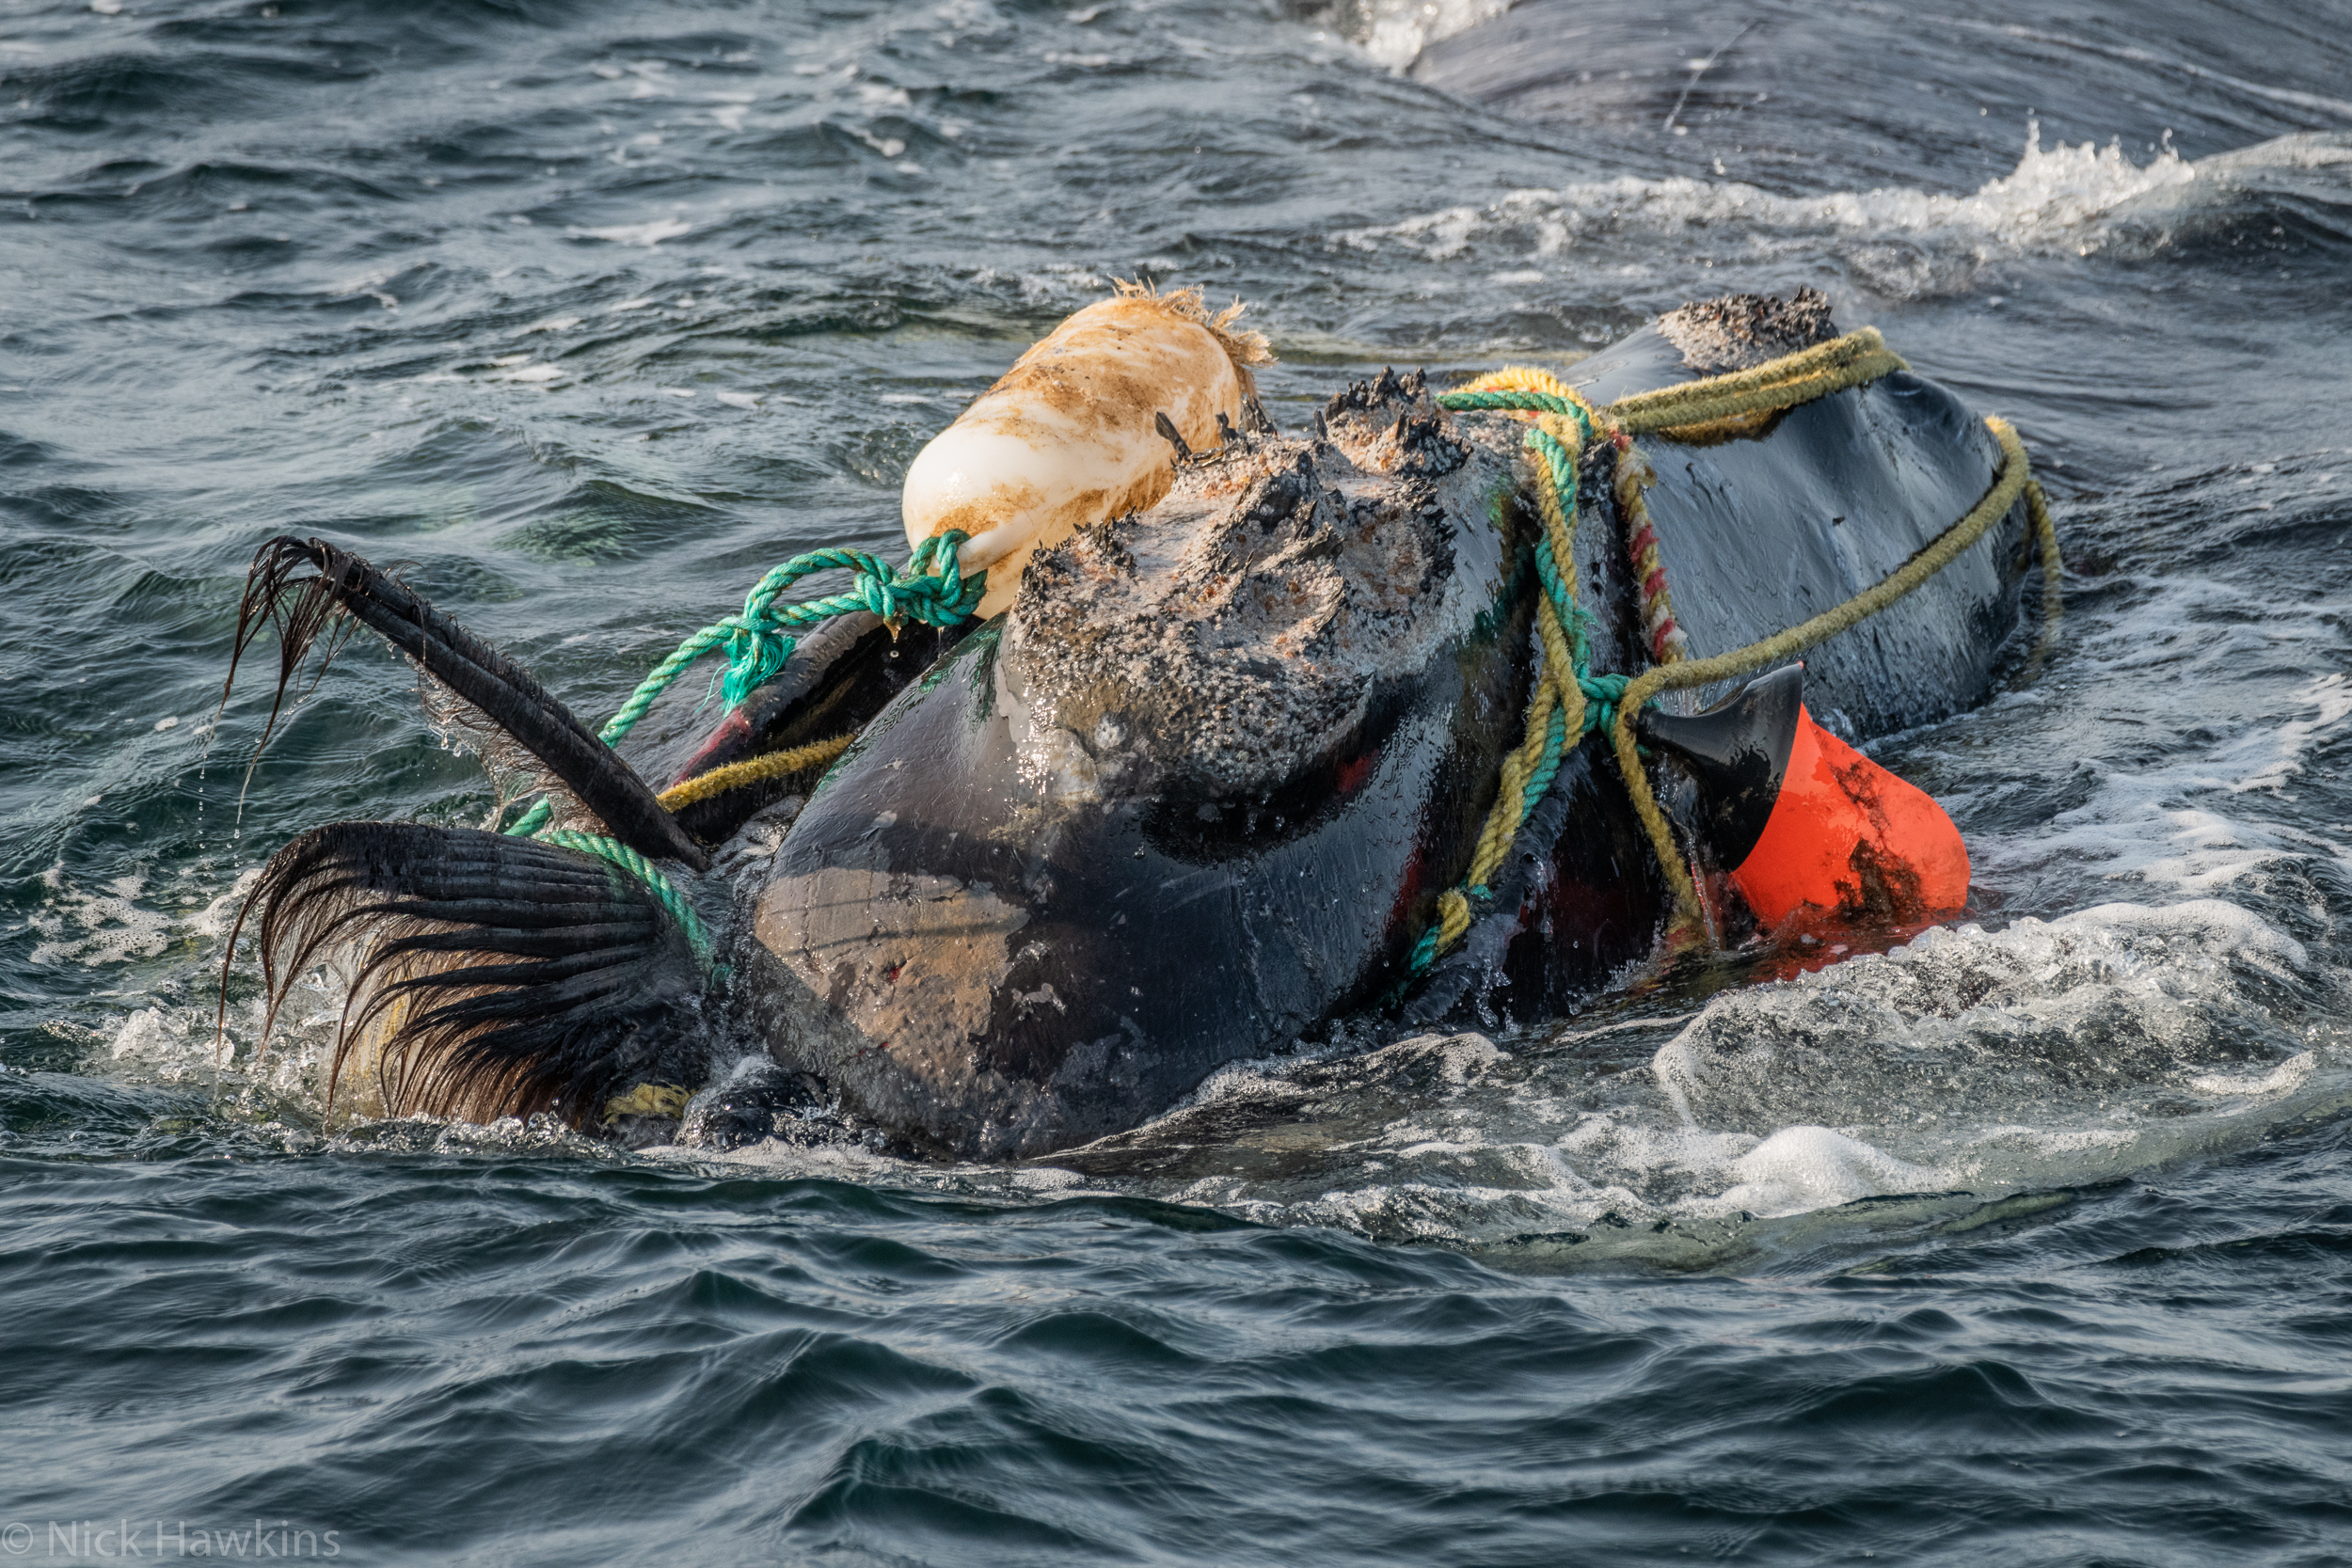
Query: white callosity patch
{"x": 1246, "y": 623}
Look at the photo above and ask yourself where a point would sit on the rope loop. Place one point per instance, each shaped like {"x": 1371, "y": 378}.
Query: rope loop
{"x": 930, "y": 589}
{"x": 761, "y": 641}
{"x": 1569, "y": 702}
{"x": 933, "y": 589}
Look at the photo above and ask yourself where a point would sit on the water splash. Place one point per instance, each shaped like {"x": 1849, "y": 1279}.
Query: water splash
{"x": 1393, "y": 31}
{"x": 1908, "y": 244}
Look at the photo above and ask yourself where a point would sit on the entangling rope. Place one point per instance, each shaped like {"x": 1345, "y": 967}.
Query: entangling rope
{"x": 628, "y": 860}
{"x": 1569, "y": 702}
{"x": 736, "y": 775}
{"x": 759, "y": 641}
{"x": 931, "y": 588}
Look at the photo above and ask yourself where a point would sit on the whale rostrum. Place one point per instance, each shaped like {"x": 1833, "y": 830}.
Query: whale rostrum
{"x": 1245, "y": 626}
{"x": 1183, "y": 798}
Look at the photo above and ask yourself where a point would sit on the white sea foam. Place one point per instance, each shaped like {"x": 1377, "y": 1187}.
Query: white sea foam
{"x": 96, "y": 927}
{"x": 1970, "y": 1061}
{"x": 2038, "y": 1054}
{"x": 1393, "y": 31}
{"x": 2226, "y": 677}
{"x": 646, "y": 234}
{"x": 1802, "y": 1169}
{"x": 1908, "y": 243}
{"x": 2287, "y": 1076}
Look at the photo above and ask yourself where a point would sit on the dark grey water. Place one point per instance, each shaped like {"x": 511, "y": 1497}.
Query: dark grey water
{"x": 2029, "y": 1242}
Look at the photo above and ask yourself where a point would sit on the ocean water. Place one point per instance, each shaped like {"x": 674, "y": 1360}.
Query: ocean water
{"x": 2027, "y": 1240}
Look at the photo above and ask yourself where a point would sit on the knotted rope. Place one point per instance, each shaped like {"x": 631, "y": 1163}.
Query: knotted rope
{"x": 931, "y": 588}
{"x": 758, "y": 642}
{"x": 1569, "y": 702}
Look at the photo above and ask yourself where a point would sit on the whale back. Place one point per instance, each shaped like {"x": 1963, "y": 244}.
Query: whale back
{"x": 1764, "y": 528}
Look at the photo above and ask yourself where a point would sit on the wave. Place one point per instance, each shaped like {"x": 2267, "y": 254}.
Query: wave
{"x": 2065, "y": 199}
{"x": 1956, "y": 1073}
{"x": 1394, "y": 31}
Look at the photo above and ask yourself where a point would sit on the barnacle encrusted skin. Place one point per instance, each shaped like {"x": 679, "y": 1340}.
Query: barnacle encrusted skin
{"x": 1738, "y": 332}
{"x": 1236, "y": 631}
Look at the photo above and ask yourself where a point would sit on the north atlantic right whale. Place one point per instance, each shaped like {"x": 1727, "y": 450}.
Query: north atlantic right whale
{"x": 1193, "y": 796}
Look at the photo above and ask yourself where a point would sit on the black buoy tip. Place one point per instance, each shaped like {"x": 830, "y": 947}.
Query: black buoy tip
{"x": 1736, "y": 754}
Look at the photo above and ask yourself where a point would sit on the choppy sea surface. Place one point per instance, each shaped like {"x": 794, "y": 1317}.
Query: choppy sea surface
{"x": 2027, "y": 1241}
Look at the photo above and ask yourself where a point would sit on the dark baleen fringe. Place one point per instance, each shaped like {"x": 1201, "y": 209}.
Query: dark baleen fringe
{"x": 513, "y": 773}
{"x": 493, "y": 976}
{"x": 300, "y": 607}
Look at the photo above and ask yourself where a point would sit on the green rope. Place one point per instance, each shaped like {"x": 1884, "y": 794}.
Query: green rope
{"x": 759, "y": 641}
{"x": 1519, "y": 403}
{"x": 931, "y": 588}
{"x": 1601, "y": 692}
{"x": 628, "y": 860}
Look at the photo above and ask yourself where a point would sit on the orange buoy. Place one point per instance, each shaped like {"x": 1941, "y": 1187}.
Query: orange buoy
{"x": 1851, "y": 841}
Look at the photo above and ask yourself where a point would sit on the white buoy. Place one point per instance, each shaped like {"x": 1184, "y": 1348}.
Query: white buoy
{"x": 1068, "y": 436}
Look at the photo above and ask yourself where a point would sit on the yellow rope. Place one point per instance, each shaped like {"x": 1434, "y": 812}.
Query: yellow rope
{"x": 2014, "y": 478}
{"x": 1815, "y": 373}
{"x": 1556, "y": 688}
{"x": 647, "y": 1099}
{"x": 1697, "y": 409}
{"x": 735, "y": 775}
{"x": 2037, "y": 513}
{"x": 1633, "y": 475}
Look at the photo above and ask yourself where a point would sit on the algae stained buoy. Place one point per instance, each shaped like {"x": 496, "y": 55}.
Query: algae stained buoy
{"x": 1850, "y": 838}
{"x": 1068, "y": 436}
